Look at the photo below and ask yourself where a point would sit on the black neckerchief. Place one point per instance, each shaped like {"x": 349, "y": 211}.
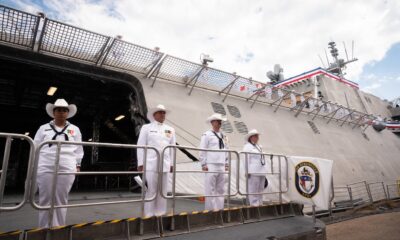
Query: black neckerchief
{"x": 262, "y": 159}
{"x": 62, "y": 132}
{"x": 221, "y": 141}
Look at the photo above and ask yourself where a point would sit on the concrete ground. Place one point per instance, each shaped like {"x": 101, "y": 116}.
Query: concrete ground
{"x": 381, "y": 226}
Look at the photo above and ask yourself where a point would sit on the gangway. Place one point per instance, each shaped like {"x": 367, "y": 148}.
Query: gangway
{"x": 279, "y": 220}
{"x": 273, "y": 220}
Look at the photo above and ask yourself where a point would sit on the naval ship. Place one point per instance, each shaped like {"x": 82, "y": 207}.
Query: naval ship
{"x": 113, "y": 82}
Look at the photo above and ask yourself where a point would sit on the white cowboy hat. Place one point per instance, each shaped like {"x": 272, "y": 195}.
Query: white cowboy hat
{"x": 215, "y": 116}
{"x": 159, "y": 108}
{"x": 251, "y": 133}
{"x": 61, "y": 103}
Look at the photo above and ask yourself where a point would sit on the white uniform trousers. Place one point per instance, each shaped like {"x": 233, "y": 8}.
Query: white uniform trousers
{"x": 158, "y": 206}
{"x": 256, "y": 185}
{"x": 214, "y": 185}
{"x": 45, "y": 184}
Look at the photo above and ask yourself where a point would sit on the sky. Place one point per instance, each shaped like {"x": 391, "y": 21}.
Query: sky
{"x": 250, "y": 36}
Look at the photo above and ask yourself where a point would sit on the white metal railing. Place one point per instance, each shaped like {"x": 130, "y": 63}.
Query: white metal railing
{"x": 271, "y": 158}
{"x": 393, "y": 190}
{"x": 3, "y": 172}
{"x": 356, "y": 193}
{"x": 377, "y": 191}
{"x": 56, "y": 172}
{"x": 228, "y": 172}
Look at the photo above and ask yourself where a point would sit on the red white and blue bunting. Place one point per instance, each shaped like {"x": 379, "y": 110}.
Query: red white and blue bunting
{"x": 315, "y": 72}
{"x": 392, "y": 126}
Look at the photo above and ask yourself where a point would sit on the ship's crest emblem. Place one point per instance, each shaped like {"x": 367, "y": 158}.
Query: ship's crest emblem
{"x": 307, "y": 179}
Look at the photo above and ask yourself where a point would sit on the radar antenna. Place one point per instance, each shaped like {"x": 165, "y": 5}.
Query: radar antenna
{"x": 276, "y": 75}
{"x": 338, "y": 65}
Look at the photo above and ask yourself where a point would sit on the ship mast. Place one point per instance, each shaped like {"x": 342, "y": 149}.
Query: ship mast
{"x": 338, "y": 65}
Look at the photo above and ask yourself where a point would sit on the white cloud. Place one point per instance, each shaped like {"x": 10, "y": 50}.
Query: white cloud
{"x": 385, "y": 87}
{"x": 291, "y": 33}
{"x": 372, "y": 87}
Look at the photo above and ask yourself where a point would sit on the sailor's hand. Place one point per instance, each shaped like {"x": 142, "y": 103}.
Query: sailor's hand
{"x": 140, "y": 168}
{"x": 204, "y": 168}
{"x": 78, "y": 168}
{"x": 226, "y": 167}
{"x": 171, "y": 169}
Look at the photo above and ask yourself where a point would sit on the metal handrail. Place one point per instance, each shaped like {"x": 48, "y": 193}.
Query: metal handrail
{"x": 229, "y": 173}
{"x": 3, "y": 172}
{"x": 397, "y": 185}
{"x": 363, "y": 186}
{"x": 279, "y": 173}
{"x": 382, "y": 185}
{"x": 58, "y": 144}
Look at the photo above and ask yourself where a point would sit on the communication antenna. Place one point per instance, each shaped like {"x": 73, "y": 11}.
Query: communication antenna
{"x": 326, "y": 55}
{"x": 323, "y": 64}
{"x": 345, "y": 50}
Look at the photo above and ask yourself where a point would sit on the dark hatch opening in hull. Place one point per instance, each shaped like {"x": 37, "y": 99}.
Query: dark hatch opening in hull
{"x": 23, "y": 97}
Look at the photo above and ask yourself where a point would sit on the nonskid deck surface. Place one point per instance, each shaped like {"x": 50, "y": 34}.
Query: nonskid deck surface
{"x": 284, "y": 228}
{"x": 27, "y": 216}
{"x": 237, "y": 222}
{"x": 266, "y": 222}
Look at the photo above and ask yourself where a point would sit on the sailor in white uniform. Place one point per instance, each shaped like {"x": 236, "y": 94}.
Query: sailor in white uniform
{"x": 257, "y": 168}
{"x": 214, "y": 162}
{"x": 70, "y": 160}
{"x": 156, "y": 134}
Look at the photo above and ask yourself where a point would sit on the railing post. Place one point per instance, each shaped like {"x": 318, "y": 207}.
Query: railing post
{"x": 35, "y": 32}
{"x": 229, "y": 87}
{"x": 280, "y": 179}
{"x": 42, "y": 34}
{"x": 173, "y": 188}
{"x": 384, "y": 191}
{"x": 333, "y": 114}
{"x": 4, "y": 168}
{"x": 388, "y": 192}
{"x": 54, "y": 187}
{"x": 195, "y": 78}
{"x": 280, "y": 100}
{"x": 156, "y": 69}
{"x": 368, "y": 192}
{"x": 228, "y": 200}
{"x": 350, "y": 195}
{"x": 332, "y": 198}
{"x": 271, "y": 158}
{"x": 246, "y": 162}
{"x": 301, "y": 106}
{"x": 143, "y": 189}
{"x": 313, "y": 214}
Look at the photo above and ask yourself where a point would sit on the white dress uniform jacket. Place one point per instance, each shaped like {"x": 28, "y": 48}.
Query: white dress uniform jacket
{"x": 215, "y": 162}
{"x": 70, "y": 157}
{"x": 257, "y": 169}
{"x": 256, "y": 164}
{"x": 156, "y": 135}
{"x": 210, "y": 141}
